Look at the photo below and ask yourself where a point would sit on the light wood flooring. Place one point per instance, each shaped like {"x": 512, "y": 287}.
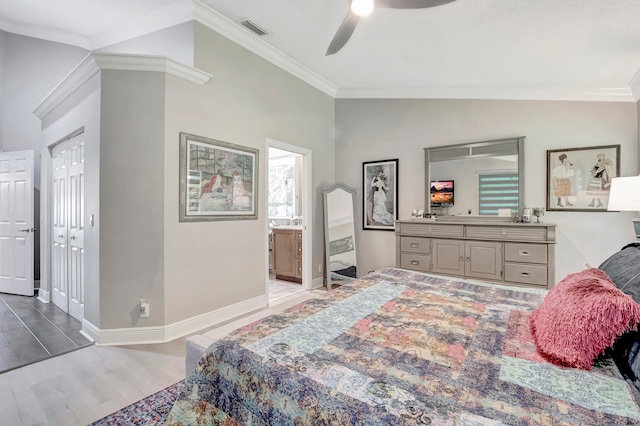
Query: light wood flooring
{"x": 87, "y": 384}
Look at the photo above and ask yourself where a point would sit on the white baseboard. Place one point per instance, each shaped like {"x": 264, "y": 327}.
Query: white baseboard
{"x": 317, "y": 283}
{"x": 44, "y": 296}
{"x": 163, "y": 334}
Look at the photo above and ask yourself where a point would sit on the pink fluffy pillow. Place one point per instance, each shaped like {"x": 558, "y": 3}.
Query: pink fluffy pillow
{"x": 581, "y": 317}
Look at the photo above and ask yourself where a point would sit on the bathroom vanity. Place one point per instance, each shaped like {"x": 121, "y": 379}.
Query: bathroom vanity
{"x": 287, "y": 253}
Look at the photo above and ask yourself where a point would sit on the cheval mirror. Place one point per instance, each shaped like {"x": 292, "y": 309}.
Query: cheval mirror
{"x": 340, "y": 234}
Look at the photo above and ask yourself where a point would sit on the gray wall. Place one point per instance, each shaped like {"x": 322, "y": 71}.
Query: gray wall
{"x": 381, "y": 129}
{"x": 174, "y": 42}
{"x": 3, "y": 62}
{"x": 131, "y": 198}
{"x": 210, "y": 265}
{"x": 32, "y": 68}
{"x": 81, "y": 109}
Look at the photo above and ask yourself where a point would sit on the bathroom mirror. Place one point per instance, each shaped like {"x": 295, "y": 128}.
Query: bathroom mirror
{"x": 340, "y": 234}
{"x": 483, "y": 177}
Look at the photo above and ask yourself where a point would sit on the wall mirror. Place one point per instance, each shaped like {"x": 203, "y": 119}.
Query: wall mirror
{"x": 340, "y": 234}
{"x": 475, "y": 179}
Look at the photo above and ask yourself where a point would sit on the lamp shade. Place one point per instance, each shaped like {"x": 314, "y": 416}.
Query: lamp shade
{"x": 624, "y": 194}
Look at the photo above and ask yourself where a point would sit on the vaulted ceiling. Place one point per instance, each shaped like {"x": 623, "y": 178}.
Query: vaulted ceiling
{"x": 501, "y": 49}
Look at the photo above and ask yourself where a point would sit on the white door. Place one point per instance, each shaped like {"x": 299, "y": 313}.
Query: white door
{"x": 67, "y": 227}
{"x": 76, "y": 227}
{"x": 16, "y": 222}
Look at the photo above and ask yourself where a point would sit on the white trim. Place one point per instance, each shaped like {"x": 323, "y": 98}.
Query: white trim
{"x": 240, "y": 35}
{"x": 94, "y": 62}
{"x": 634, "y": 84}
{"x": 78, "y": 76}
{"x": 492, "y": 92}
{"x": 163, "y": 334}
{"x": 130, "y": 62}
{"x": 307, "y": 210}
{"x": 317, "y": 283}
{"x": 44, "y": 296}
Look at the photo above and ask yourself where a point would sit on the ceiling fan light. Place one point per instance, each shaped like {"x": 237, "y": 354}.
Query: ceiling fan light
{"x": 362, "y": 7}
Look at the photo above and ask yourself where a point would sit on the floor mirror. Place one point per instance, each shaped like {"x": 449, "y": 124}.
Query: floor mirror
{"x": 340, "y": 234}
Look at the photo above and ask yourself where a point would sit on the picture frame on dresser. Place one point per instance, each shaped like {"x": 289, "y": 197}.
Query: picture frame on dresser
{"x": 578, "y": 179}
{"x": 218, "y": 180}
{"x": 380, "y": 194}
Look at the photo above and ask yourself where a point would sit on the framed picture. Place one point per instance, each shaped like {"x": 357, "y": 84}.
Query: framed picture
{"x": 578, "y": 179}
{"x": 380, "y": 189}
{"x": 218, "y": 180}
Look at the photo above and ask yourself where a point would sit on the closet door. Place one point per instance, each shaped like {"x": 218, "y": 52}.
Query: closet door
{"x": 59, "y": 212}
{"x": 75, "y": 252}
{"x": 67, "y": 254}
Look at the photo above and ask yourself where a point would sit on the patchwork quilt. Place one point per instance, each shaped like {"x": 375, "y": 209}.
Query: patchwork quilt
{"x": 399, "y": 348}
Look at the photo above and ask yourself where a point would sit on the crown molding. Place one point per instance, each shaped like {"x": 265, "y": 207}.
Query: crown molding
{"x": 634, "y": 84}
{"x": 234, "y": 32}
{"x": 129, "y": 62}
{"x": 95, "y": 62}
{"x": 56, "y": 36}
{"x": 492, "y": 93}
{"x": 78, "y": 76}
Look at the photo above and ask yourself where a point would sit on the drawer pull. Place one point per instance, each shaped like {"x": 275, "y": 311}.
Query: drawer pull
{"x": 524, "y": 253}
{"x": 415, "y": 262}
{"x": 414, "y": 245}
{"x": 524, "y": 274}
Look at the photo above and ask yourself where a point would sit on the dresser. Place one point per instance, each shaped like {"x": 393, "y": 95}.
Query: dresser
{"x": 287, "y": 254}
{"x": 520, "y": 254}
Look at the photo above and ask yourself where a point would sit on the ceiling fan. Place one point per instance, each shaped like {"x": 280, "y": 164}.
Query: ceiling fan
{"x": 364, "y": 7}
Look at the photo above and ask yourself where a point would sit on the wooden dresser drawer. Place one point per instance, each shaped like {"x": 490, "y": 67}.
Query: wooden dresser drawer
{"x": 520, "y": 233}
{"x": 525, "y": 274}
{"x": 417, "y": 262}
{"x": 430, "y": 229}
{"x": 526, "y": 253}
{"x": 415, "y": 245}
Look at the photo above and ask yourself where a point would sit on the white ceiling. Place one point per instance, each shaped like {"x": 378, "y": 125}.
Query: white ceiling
{"x": 518, "y": 49}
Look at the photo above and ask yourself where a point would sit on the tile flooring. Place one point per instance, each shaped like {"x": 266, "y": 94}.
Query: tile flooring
{"x": 31, "y": 331}
{"x": 279, "y": 289}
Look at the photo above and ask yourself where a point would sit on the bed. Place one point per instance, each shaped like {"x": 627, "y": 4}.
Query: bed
{"x": 399, "y": 347}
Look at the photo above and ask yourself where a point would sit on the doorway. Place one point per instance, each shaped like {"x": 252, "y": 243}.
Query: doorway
{"x": 289, "y": 220}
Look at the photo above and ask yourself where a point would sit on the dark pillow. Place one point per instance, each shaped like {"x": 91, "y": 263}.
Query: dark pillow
{"x": 623, "y": 268}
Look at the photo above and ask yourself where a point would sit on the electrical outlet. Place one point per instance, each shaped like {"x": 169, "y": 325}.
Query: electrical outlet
{"x": 144, "y": 309}
{"x": 320, "y": 267}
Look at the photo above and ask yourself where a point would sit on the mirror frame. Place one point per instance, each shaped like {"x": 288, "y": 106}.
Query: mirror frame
{"x": 466, "y": 151}
{"x": 326, "y": 191}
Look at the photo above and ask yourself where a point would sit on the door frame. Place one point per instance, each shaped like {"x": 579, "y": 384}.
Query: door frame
{"x": 307, "y": 218}
{"x": 46, "y": 218}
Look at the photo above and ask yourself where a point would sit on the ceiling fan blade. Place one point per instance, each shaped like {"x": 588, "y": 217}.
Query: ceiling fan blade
{"x": 410, "y": 4}
{"x": 343, "y": 34}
